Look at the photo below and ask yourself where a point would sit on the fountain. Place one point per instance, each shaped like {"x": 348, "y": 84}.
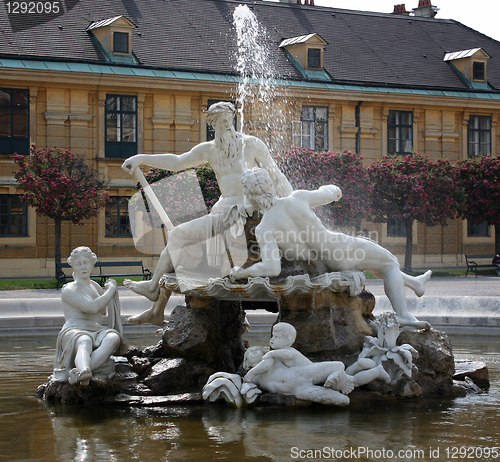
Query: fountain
{"x": 262, "y": 243}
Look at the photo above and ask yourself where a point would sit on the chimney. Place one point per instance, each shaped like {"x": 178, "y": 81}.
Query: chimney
{"x": 425, "y": 9}
{"x": 401, "y": 9}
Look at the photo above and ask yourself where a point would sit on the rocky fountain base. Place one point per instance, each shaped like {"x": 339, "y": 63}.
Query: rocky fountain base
{"x": 332, "y": 315}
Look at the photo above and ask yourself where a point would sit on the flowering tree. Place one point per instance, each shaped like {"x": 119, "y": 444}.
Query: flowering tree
{"x": 413, "y": 187}
{"x": 306, "y": 169}
{"x": 61, "y": 186}
{"x": 480, "y": 178}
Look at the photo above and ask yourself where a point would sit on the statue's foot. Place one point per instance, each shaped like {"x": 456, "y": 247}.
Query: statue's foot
{"x": 151, "y": 316}
{"x": 84, "y": 377}
{"x": 421, "y": 281}
{"x": 382, "y": 374}
{"x": 143, "y": 288}
{"x": 412, "y": 321}
{"x": 73, "y": 376}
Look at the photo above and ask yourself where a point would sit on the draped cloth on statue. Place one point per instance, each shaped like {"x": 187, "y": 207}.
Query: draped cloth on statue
{"x": 75, "y": 327}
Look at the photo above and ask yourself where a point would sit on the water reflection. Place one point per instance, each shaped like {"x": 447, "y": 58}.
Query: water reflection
{"x": 33, "y": 431}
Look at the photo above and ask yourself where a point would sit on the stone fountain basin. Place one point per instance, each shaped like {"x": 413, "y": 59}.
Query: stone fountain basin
{"x": 264, "y": 288}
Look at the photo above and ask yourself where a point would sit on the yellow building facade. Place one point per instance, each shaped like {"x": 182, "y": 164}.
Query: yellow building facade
{"x": 106, "y": 111}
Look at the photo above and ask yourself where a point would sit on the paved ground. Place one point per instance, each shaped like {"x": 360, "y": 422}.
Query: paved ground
{"x": 458, "y": 302}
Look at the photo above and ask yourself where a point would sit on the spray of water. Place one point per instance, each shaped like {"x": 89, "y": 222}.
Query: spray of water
{"x": 259, "y": 97}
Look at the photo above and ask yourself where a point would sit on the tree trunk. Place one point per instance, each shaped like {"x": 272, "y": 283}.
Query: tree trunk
{"x": 409, "y": 245}
{"x": 57, "y": 243}
{"x": 497, "y": 238}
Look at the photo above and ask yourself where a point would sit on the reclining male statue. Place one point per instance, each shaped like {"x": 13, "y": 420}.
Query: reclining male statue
{"x": 229, "y": 154}
{"x": 290, "y": 229}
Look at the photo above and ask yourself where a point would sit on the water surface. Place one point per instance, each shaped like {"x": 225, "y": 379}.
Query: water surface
{"x": 404, "y": 431}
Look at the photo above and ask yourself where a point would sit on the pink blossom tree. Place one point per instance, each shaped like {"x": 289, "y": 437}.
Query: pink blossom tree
{"x": 61, "y": 186}
{"x": 480, "y": 178}
{"x": 414, "y": 188}
{"x": 306, "y": 169}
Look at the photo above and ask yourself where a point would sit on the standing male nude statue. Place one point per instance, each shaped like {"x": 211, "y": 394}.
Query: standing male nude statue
{"x": 229, "y": 154}
{"x": 290, "y": 229}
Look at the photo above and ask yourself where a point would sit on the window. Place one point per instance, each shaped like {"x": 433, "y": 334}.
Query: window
{"x": 314, "y": 122}
{"x": 395, "y": 228}
{"x": 314, "y": 58}
{"x": 121, "y": 126}
{"x": 14, "y": 108}
{"x": 210, "y": 130}
{"x": 400, "y": 132}
{"x": 13, "y": 216}
{"x": 477, "y": 229}
{"x": 120, "y": 42}
{"x": 479, "y": 136}
{"x": 478, "y": 71}
{"x": 116, "y": 218}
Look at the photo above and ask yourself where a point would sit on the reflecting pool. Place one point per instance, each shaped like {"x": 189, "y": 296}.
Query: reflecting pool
{"x": 461, "y": 429}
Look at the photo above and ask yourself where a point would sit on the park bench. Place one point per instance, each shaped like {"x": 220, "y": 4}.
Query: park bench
{"x": 472, "y": 264}
{"x": 103, "y": 267}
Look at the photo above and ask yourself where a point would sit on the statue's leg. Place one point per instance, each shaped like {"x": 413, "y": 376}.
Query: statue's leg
{"x": 394, "y": 288}
{"x": 417, "y": 284}
{"x": 322, "y": 395}
{"x": 156, "y": 314}
{"x": 369, "y": 375}
{"x": 101, "y": 354}
{"x": 83, "y": 373}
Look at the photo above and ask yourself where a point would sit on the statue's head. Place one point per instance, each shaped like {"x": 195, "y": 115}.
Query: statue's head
{"x": 82, "y": 252}
{"x": 253, "y": 356}
{"x": 284, "y": 335}
{"x": 217, "y": 110}
{"x": 258, "y": 188}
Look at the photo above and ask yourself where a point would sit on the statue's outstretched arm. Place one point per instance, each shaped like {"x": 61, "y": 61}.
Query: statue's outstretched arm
{"x": 172, "y": 162}
{"x": 324, "y": 195}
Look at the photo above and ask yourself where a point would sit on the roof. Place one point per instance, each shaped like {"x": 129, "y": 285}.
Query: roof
{"x": 295, "y": 40}
{"x": 363, "y": 48}
{"x": 462, "y": 54}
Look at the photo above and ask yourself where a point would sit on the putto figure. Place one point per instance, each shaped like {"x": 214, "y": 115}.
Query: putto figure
{"x": 229, "y": 154}
{"x": 290, "y": 229}
{"x": 84, "y": 345}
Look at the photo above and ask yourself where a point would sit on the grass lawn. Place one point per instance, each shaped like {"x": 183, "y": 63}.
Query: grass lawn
{"x": 21, "y": 284}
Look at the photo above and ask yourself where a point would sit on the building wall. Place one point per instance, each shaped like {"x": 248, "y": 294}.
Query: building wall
{"x": 67, "y": 110}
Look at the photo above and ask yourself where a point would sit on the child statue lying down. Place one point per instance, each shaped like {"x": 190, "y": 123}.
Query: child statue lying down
{"x": 285, "y": 370}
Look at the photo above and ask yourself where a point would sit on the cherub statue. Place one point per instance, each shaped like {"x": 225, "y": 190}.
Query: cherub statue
{"x": 291, "y": 230}
{"x": 83, "y": 344}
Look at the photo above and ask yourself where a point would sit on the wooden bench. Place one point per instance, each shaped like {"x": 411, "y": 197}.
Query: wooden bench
{"x": 145, "y": 273}
{"x": 472, "y": 264}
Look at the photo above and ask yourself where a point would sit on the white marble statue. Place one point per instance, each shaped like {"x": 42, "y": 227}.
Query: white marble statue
{"x": 230, "y": 388}
{"x": 83, "y": 344}
{"x": 290, "y": 229}
{"x": 285, "y": 370}
{"x": 382, "y": 350}
{"x": 229, "y": 154}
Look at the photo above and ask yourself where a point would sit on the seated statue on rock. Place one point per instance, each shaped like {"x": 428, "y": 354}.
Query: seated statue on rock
{"x": 290, "y": 229}
{"x": 229, "y": 154}
{"x": 84, "y": 346}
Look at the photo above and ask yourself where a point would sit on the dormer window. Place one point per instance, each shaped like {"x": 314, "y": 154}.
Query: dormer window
{"x": 113, "y": 37}
{"x": 471, "y": 66}
{"x": 305, "y": 51}
{"x": 478, "y": 71}
{"x": 120, "y": 42}
{"x": 314, "y": 58}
